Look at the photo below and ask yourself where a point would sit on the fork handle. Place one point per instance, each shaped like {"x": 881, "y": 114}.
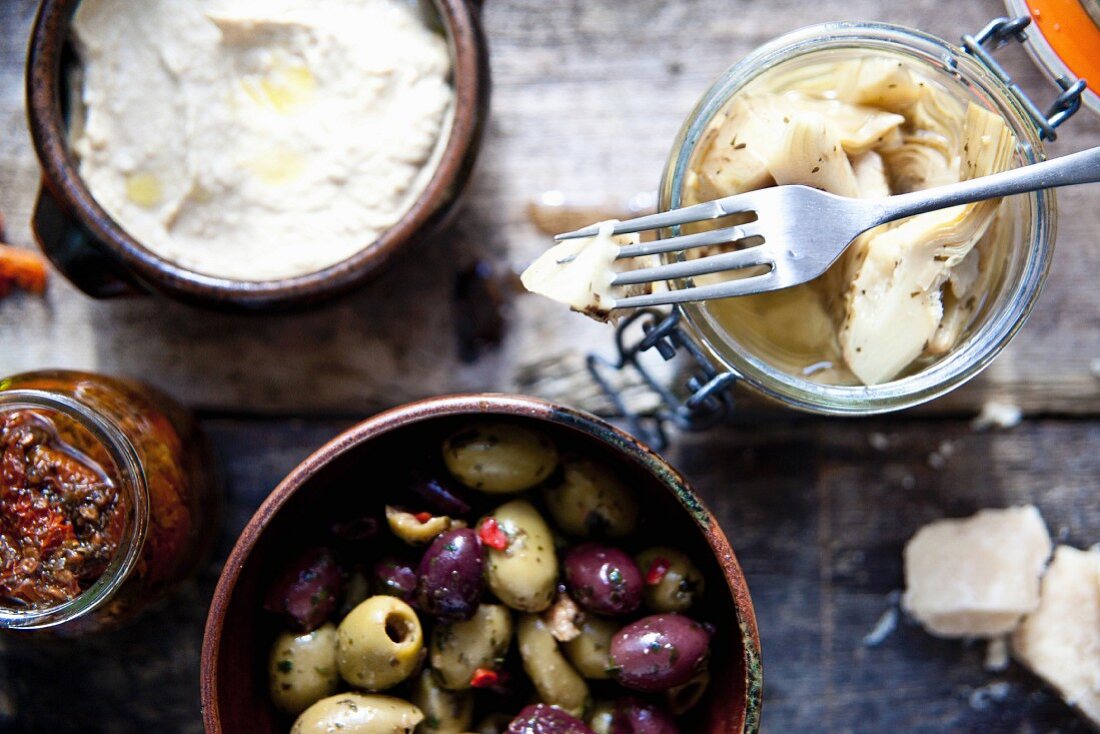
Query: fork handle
{"x": 1075, "y": 168}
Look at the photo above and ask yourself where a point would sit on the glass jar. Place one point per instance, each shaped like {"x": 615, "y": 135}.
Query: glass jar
{"x": 1027, "y": 256}
{"x": 107, "y": 500}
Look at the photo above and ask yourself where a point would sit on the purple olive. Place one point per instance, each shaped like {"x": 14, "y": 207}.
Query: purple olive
{"x": 633, "y": 716}
{"x": 439, "y": 496}
{"x": 451, "y": 575}
{"x": 659, "y": 652}
{"x": 308, "y": 591}
{"x": 357, "y": 530}
{"x": 394, "y": 577}
{"x": 603, "y": 579}
{"x": 543, "y": 719}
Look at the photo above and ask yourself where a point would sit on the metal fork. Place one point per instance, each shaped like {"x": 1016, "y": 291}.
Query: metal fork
{"x": 805, "y": 230}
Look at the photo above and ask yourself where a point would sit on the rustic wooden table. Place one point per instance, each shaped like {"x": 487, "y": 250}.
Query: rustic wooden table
{"x": 588, "y": 95}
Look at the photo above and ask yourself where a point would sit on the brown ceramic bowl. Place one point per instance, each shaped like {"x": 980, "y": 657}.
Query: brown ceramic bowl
{"x": 100, "y": 258}
{"x": 342, "y": 479}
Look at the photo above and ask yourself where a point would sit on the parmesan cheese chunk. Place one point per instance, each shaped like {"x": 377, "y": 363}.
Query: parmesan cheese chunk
{"x": 1060, "y": 642}
{"x": 976, "y": 576}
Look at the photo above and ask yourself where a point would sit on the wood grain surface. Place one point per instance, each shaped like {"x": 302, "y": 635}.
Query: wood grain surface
{"x": 588, "y": 95}
{"x": 817, "y": 515}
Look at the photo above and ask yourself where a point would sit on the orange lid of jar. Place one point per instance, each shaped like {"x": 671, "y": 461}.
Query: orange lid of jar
{"x": 1064, "y": 38}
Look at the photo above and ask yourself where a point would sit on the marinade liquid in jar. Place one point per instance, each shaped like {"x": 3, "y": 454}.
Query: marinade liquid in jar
{"x": 107, "y": 499}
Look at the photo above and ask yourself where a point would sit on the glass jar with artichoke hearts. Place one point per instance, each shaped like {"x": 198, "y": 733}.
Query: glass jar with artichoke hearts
{"x": 108, "y": 499}
{"x": 914, "y": 308}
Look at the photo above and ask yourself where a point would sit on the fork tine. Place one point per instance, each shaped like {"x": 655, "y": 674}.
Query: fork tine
{"x": 695, "y": 213}
{"x": 759, "y": 255}
{"x": 685, "y": 242}
{"x": 744, "y": 287}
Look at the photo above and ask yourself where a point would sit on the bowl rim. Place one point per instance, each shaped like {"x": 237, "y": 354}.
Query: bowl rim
{"x": 499, "y": 405}
{"x": 61, "y": 177}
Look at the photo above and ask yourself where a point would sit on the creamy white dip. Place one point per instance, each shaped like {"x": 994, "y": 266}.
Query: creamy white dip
{"x": 258, "y": 139}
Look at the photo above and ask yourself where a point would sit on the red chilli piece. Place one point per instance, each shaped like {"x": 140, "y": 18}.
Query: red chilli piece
{"x": 492, "y": 535}
{"x": 485, "y": 678}
{"x": 657, "y": 571}
{"x": 423, "y": 517}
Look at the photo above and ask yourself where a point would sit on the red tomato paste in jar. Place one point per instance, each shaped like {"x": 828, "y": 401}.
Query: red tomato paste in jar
{"x": 62, "y": 515}
{"x": 101, "y": 479}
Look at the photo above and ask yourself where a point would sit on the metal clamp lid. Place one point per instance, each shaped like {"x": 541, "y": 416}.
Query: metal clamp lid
{"x": 1002, "y": 31}
{"x": 709, "y": 399}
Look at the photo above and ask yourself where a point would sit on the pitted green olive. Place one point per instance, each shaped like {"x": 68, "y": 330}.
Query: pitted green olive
{"x": 413, "y": 530}
{"x": 460, "y": 648}
{"x": 588, "y": 651}
{"x": 591, "y": 502}
{"x": 303, "y": 669}
{"x": 499, "y": 457}
{"x": 601, "y": 719}
{"x": 524, "y": 574}
{"x": 683, "y": 698}
{"x": 445, "y": 711}
{"x": 557, "y": 683}
{"x": 378, "y": 644}
{"x": 673, "y": 582}
{"x": 354, "y": 713}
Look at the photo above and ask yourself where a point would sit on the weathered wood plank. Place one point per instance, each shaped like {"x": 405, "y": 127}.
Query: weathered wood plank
{"x": 817, "y": 515}
{"x": 588, "y": 97}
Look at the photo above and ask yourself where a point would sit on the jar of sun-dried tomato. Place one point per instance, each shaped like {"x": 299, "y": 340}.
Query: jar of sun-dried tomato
{"x": 107, "y": 499}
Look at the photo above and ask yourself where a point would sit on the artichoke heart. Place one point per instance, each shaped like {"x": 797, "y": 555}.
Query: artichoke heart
{"x": 763, "y": 131}
{"x": 896, "y": 301}
{"x": 737, "y": 150}
{"x": 578, "y": 272}
{"x": 811, "y": 154}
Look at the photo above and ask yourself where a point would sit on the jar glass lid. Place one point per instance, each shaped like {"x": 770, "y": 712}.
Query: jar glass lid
{"x": 1064, "y": 39}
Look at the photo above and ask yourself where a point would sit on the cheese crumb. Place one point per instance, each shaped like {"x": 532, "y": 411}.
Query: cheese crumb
{"x": 977, "y": 576}
{"x": 997, "y": 415}
{"x": 1060, "y": 641}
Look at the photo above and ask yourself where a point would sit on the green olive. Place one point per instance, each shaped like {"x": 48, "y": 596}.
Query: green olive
{"x": 458, "y": 649}
{"x": 356, "y": 591}
{"x": 602, "y": 717}
{"x": 378, "y": 644}
{"x": 589, "y": 651}
{"x": 683, "y": 698}
{"x": 445, "y": 712}
{"x": 557, "y": 683}
{"x": 524, "y": 575}
{"x": 355, "y": 713}
{"x": 680, "y": 586}
{"x": 303, "y": 669}
{"x": 409, "y": 528}
{"x": 499, "y": 457}
{"x": 591, "y": 502}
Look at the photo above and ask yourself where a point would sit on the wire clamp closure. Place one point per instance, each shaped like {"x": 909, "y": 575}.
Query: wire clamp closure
{"x": 1003, "y": 31}
{"x": 709, "y": 399}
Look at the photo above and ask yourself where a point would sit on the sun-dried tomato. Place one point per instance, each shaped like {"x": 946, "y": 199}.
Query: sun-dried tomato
{"x": 61, "y": 518}
{"x": 21, "y": 268}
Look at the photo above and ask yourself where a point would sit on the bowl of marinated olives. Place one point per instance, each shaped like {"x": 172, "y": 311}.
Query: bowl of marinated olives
{"x": 482, "y": 564}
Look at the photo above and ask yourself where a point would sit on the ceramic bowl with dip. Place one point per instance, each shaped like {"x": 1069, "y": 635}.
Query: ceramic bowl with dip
{"x": 249, "y": 155}
{"x": 336, "y": 484}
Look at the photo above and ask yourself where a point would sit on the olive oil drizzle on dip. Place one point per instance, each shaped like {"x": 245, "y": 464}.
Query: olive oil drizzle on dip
{"x": 62, "y": 515}
{"x": 258, "y": 139}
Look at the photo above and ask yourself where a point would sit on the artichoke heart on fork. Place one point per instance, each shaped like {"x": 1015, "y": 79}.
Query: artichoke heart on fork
{"x": 896, "y": 301}
{"x": 578, "y": 272}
